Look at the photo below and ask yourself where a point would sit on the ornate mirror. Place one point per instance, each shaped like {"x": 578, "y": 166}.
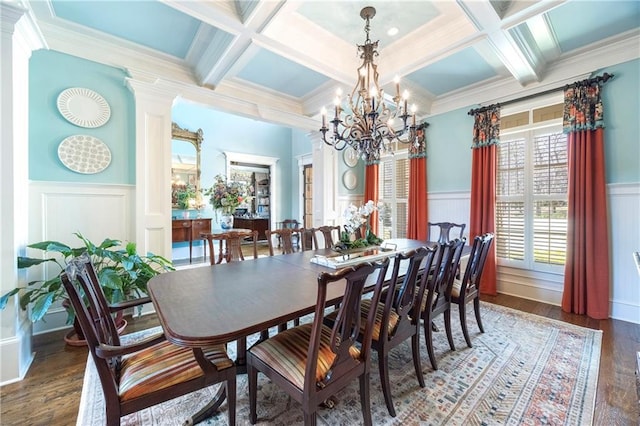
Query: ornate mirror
{"x": 185, "y": 168}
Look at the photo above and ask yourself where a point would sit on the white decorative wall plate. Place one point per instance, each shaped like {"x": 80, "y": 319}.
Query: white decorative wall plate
{"x": 83, "y": 107}
{"x": 350, "y": 156}
{"x": 84, "y": 154}
{"x": 349, "y": 179}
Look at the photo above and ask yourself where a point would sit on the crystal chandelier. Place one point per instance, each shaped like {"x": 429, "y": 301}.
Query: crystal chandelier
{"x": 367, "y": 124}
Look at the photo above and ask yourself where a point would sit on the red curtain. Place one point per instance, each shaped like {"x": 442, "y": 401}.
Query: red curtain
{"x": 486, "y": 131}
{"x": 371, "y": 192}
{"x": 418, "y": 205}
{"x": 586, "y": 273}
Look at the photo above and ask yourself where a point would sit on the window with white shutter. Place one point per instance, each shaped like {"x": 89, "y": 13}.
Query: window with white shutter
{"x": 393, "y": 190}
{"x": 531, "y": 193}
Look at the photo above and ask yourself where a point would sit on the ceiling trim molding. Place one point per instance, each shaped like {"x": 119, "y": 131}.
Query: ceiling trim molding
{"x": 610, "y": 52}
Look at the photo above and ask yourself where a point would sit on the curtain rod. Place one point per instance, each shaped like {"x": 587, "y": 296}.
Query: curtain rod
{"x": 601, "y": 78}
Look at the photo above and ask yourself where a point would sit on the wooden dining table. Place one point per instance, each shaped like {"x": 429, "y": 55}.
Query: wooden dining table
{"x": 224, "y": 303}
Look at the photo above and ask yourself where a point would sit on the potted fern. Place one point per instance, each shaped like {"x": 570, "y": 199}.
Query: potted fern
{"x": 123, "y": 274}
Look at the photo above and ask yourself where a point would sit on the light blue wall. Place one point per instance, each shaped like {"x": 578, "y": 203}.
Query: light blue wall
{"x": 49, "y": 74}
{"x": 227, "y": 132}
{"x": 449, "y": 135}
{"x": 448, "y": 151}
{"x": 622, "y": 122}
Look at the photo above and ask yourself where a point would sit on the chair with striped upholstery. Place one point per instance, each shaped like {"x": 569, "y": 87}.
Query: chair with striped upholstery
{"x": 146, "y": 372}
{"x": 400, "y": 312}
{"x": 468, "y": 289}
{"x": 436, "y": 299}
{"x": 312, "y": 362}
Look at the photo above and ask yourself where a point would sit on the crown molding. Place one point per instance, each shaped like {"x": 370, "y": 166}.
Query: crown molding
{"x": 615, "y": 50}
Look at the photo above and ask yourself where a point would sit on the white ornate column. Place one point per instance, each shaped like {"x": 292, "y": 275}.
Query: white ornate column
{"x": 19, "y": 36}
{"x": 152, "y": 212}
{"x": 325, "y": 170}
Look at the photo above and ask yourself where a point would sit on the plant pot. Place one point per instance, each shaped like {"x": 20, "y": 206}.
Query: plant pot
{"x": 75, "y": 337}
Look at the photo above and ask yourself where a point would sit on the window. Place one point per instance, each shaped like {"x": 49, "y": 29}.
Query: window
{"x": 531, "y": 193}
{"x": 393, "y": 190}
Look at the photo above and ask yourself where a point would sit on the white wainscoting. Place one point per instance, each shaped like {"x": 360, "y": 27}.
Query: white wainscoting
{"x": 58, "y": 210}
{"x": 624, "y": 219}
{"x": 624, "y": 231}
{"x": 450, "y": 207}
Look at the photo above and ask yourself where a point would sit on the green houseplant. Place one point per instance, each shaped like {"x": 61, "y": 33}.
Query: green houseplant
{"x": 123, "y": 274}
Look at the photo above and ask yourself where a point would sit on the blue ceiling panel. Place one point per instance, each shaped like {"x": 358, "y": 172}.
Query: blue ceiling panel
{"x": 280, "y": 74}
{"x": 343, "y": 18}
{"x": 453, "y": 72}
{"x": 151, "y": 24}
{"x": 597, "y": 20}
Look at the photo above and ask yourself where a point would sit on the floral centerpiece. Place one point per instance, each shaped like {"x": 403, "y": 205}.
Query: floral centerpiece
{"x": 358, "y": 219}
{"x": 226, "y": 197}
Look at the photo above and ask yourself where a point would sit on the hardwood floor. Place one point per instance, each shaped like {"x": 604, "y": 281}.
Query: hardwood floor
{"x": 50, "y": 394}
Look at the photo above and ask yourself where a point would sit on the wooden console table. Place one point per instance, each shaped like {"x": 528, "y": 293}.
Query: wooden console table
{"x": 189, "y": 230}
{"x": 254, "y": 224}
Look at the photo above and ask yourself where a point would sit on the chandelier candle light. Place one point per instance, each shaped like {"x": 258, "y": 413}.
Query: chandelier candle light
{"x": 367, "y": 123}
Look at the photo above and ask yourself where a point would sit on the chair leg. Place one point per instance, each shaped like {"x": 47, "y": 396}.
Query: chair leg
{"x": 365, "y": 400}
{"x": 476, "y": 307}
{"x": 415, "y": 347}
{"x": 447, "y": 327}
{"x": 231, "y": 400}
{"x": 462, "y": 308}
{"x": 252, "y": 377}
{"x": 383, "y": 364}
{"x": 310, "y": 419}
{"x": 428, "y": 338}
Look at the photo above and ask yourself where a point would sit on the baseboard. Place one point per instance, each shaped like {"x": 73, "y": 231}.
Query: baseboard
{"x": 13, "y": 368}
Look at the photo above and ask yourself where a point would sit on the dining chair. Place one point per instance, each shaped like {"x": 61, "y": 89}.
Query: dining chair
{"x": 230, "y": 248}
{"x": 436, "y": 296}
{"x": 144, "y": 373}
{"x": 397, "y": 317}
{"x": 312, "y": 362}
{"x": 285, "y": 237}
{"x": 307, "y": 239}
{"x": 290, "y": 224}
{"x": 444, "y": 229}
{"x": 330, "y": 234}
{"x": 467, "y": 289}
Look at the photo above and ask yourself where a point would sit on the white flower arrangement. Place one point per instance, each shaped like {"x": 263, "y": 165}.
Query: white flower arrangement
{"x": 357, "y": 217}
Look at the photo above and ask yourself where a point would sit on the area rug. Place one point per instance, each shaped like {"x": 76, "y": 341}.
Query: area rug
{"x": 524, "y": 370}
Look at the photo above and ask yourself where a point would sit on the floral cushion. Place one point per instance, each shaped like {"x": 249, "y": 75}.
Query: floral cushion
{"x": 286, "y": 353}
{"x": 164, "y": 365}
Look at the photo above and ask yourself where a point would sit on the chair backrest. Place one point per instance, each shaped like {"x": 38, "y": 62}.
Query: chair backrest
{"x": 307, "y": 239}
{"x": 346, "y": 328}
{"x": 403, "y": 293}
{"x": 286, "y": 238}
{"x": 445, "y": 268}
{"x": 289, "y": 223}
{"x": 475, "y": 265}
{"x": 328, "y": 233}
{"x": 94, "y": 317}
{"x": 234, "y": 241}
{"x": 444, "y": 229}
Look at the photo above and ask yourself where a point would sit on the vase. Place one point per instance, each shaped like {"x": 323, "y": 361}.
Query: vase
{"x": 226, "y": 221}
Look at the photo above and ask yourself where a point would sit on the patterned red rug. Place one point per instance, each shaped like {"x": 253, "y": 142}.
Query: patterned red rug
{"x": 525, "y": 369}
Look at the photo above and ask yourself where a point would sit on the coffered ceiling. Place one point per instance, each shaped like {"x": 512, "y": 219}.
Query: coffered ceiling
{"x": 282, "y": 60}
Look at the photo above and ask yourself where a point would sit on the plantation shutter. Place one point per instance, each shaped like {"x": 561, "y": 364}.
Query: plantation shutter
{"x": 510, "y": 208}
{"x": 550, "y": 185}
{"x": 393, "y": 190}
